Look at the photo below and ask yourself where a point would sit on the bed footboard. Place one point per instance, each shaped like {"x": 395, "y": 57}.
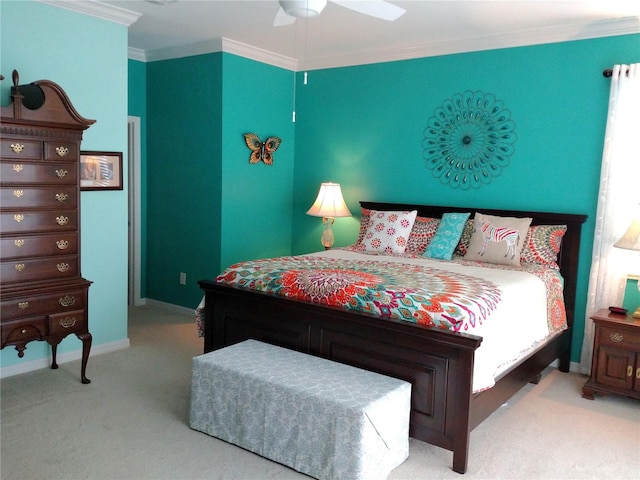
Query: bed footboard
{"x": 438, "y": 364}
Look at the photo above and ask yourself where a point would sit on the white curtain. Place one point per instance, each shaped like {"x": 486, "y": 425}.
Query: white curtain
{"x": 618, "y": 199}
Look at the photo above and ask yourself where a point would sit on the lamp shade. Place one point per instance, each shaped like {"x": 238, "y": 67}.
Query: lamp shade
{"x": 329, "y": 203}
{"x": 631, "y": 238}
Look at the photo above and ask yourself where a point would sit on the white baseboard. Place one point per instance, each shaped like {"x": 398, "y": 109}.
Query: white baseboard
{"x": 66, "y": 357}
{"x": 170, "y": 306}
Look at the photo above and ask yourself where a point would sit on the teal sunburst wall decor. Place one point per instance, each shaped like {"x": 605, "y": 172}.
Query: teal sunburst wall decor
{"x": 469, "y": 139}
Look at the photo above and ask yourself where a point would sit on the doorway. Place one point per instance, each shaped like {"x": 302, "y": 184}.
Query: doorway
{"x": 135, "y": 207}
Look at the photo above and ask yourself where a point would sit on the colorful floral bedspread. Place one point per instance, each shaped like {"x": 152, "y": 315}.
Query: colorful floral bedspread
{"x": 415, "y": 293}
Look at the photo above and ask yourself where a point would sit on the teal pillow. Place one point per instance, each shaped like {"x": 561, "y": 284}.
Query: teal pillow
{"x": 447, "y": 236}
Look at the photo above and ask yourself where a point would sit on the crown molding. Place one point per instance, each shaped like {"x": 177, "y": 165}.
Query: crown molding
{"x": 538, "y": 36}
{"x": 222, "y": 45}
{"x": 98, "y": 9}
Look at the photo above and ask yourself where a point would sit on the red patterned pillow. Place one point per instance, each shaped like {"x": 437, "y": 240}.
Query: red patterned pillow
{"x": 424, "y": 228}
{"x": 542, "y": 245}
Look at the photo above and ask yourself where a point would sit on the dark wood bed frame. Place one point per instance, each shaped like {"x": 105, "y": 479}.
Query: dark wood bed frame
{"x": 438, "y": 364}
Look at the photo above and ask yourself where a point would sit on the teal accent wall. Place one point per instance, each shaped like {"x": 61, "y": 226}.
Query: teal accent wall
{"x": 207, "y": 207}
{"x": 256, "y": 198}
{"x": 184, "y": 147}
{"x": 363, "y": 127}
{"x": 137, "y": 107}
{"x": 88, "y": 59}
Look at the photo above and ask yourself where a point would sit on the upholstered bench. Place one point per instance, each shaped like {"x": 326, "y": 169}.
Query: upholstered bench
{"x": 319, "y": 417}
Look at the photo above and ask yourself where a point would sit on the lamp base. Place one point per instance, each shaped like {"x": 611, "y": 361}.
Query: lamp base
{"x": 636, "y": 314}
{"x": 327, "y": 235}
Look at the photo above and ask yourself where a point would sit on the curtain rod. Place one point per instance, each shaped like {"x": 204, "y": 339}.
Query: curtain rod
{"x": 608, "y": 72}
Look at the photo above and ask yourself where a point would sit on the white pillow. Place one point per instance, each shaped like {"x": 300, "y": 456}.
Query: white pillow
{"x": 388, "y": 232}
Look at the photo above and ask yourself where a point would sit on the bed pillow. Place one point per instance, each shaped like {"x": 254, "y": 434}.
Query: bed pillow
{"x": 388, "y": 232}
{"x": 542, "y": 245}
{"x": 465, "y": 238}
{"x": 424, "y": 228}
{"x": 447, "y": 236}
{"x": 497, "y": 239}
{"x": 364, "y": 223}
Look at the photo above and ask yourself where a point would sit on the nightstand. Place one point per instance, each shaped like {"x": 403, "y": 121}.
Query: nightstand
{"x": 616, "y": 356}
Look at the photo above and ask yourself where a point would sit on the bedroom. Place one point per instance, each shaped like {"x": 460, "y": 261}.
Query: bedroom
{"x": 560, "y": 124}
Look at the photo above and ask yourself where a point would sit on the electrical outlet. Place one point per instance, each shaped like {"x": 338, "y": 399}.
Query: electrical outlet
{"x": 183, "y": 278}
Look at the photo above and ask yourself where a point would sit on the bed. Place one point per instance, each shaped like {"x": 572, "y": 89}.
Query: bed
{"x": 448, "y": 401}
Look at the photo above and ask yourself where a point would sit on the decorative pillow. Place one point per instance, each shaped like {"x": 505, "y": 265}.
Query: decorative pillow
{"x": 465, "y": 238}
{"x": 542, "y": 245}
{"x": 364, "y": 223}
{"x": 447, "y": 236}
{"x": 424, "y": 228}
{"x": 388, "y": 232}
{"x": 497, "y": 239}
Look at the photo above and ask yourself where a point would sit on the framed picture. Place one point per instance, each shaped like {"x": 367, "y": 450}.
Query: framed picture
{"x": 101, "y": 171}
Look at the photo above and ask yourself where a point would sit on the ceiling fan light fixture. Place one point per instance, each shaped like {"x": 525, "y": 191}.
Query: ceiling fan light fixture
{"x": 303, "y": 8}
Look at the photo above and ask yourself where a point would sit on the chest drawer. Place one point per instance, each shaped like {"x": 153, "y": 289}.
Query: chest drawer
{"x": 39, "y": 197}
{"x": 619, "y": 337}
{"x": 68, "y": 322}
{"x": 23, "y": 330}
{"x": 50, "y": 268}
{"x": 52, "y": 221}
{"x": 20, "y": 149}
{"x": 27, "y": 306}
{"x": 60, "y": 151}
{"x": 19, "y": 173}
{"x": 39, "y": 245}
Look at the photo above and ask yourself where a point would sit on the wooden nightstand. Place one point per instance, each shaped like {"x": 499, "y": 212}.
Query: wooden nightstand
{"x": 616, "y": 356}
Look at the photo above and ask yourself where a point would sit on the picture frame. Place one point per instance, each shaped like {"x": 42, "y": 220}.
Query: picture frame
{"x": 101, "y": 170}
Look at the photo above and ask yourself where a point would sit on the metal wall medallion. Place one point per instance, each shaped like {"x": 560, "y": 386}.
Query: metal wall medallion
{"x": 469, "y": 139}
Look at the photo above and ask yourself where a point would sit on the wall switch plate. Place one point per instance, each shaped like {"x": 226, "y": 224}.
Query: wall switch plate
{"x": 183, "y": 278}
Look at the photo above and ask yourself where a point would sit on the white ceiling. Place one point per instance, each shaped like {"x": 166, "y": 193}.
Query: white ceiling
{"x": 339, "y": 36}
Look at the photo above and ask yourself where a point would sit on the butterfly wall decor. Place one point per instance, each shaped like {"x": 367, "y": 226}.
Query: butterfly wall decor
{"x": 261, "y": 150}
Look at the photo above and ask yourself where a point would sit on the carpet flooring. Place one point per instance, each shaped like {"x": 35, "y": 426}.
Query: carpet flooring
{"x": 131, "y": 422}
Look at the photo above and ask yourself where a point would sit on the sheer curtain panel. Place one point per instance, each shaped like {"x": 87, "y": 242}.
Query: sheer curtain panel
{"x": 618, "y": 199}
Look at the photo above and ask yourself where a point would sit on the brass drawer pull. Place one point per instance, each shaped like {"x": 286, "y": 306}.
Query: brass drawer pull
{"x": 18, "y": 243}
{"x": 629, "y": 371}
{"x": 23, "y": 331}
{"x": 616, "y": 337}
{"x": 62, "y": 244}
{"x": 62, "y": 197}
{"x": 17, "y": 167}
{"x": 23, "y": 305}
{"x": 68, "y": 322}
{"x": 62, "y": 220}
{"x": 18, "y": 193}
{"x": 62, "y": 151}
{"x": 638, "y": 372}
{"x": 62, "y": 267}
{"x": 17, "y": 148}
{"x": 67, "y": 300}
{"x": 19, "y": 267}
{"x": 61, "y": 173}
{"x": 18, "y": 217}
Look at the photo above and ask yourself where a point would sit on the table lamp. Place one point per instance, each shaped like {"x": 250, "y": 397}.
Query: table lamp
{"x": 328, "y": 205}
{"x": 631, "y": 241}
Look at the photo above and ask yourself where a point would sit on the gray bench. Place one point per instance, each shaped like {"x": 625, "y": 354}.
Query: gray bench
{"x": 319, "y": 417}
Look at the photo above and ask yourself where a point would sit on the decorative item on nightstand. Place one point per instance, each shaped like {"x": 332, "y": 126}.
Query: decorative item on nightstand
{"x": 329, "y": 205}
{"x": 631, "y": 241}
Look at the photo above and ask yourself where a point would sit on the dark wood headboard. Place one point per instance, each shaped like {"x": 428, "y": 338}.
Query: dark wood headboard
{"x": 569, "y": 252}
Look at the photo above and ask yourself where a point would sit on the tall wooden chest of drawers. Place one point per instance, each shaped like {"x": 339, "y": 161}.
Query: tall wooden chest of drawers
{"x": 43, "y": 295}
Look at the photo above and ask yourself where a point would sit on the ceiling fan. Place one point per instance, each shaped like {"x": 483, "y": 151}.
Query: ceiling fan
{"x": 291, "y": 9}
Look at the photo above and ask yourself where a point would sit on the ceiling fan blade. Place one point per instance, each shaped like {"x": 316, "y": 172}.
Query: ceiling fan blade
{"x": 282, "y": 18}
{"x": 373, "y": 8}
